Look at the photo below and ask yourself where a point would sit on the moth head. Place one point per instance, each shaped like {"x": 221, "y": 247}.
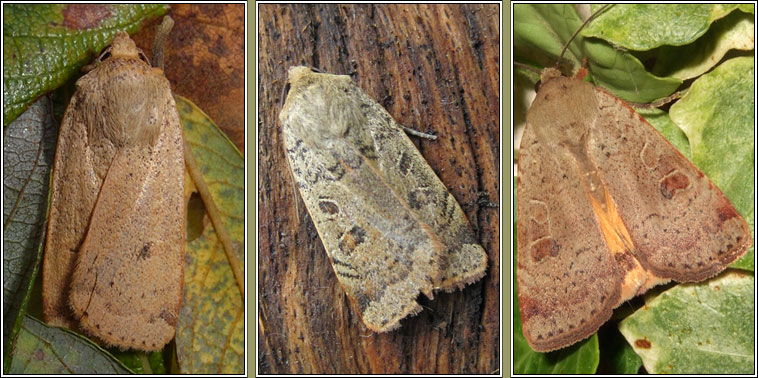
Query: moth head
{"x": 299, "y": 74}
{"x": 122, "y": 47}
{"x": 296, "y": 74}
{"x": 549, "y": 73}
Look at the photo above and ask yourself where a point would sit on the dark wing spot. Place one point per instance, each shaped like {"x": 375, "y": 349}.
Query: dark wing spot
{"x": 672, "y": 183}
{"x": 145, "y": 252}
{"x": 168, "y": 316}
{"x": 352, "y": 239}
{"x": 328, "y": 207}
{"x": 543, "y": 248}
{"x": 405, "y": 163}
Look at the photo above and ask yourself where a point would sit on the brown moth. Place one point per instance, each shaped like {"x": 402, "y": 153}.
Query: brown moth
{"x": 114, "y": 255}
{"x": 607, "y": 209}
{"x": 389, "y": 226}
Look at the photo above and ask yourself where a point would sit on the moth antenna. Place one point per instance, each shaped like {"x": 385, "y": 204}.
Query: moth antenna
{"x": 580, "y": 29}
{"x": 159, "y": 43}
{"x": 527, "y": 67}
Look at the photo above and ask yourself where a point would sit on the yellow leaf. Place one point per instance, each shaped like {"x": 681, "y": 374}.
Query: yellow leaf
{"x": 210, "y": 329}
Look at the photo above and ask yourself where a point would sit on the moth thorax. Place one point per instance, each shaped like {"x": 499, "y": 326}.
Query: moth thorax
{"x": 130, "y": 108}
{"x": 566, "y": 125}
{"x": 321, "y": 116}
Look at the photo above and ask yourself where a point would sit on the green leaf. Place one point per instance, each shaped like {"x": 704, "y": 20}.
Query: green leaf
{"x": 736, "y": 31}
{"x": 662, "y": 122}
{"x": 702, "y": 35}
{"x": 747, "y": 8}
{"x": 41, "y": 349}
{"x": 210, "y": 330}
{"x": 717, "y": 114}
{"x": 28, "y": 149}
{"x": 616, "y": 356}
{"x": 580, "y": 358}
{"x": 624, "y": 75}
{"x": 646, "y": 26}
{"x": 141, "y": 362}
{"x": 697, "y": 329}
{"x": 542, "y": 30}
{"x": 44, "y": 45}
{"x": 624, "y": 359}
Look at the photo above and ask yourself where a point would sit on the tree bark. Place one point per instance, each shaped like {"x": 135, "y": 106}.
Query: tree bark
{"x": 435, "y": 68}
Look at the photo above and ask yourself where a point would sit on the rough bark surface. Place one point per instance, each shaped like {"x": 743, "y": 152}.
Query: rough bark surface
{"x": 435, "y": 68}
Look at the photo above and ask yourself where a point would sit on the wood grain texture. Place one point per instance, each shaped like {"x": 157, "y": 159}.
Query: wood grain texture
{"x": 436, "y": 69}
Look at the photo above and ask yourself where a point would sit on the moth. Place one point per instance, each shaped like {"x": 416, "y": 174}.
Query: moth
{"x": 114, "y": 254}
{"x": 607, "y": 209}
{"x": 389, "y": 226}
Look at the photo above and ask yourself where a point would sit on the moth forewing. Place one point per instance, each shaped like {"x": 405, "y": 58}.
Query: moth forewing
{"x": 389, "y": 226}
{"x": 114, "y": 256}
